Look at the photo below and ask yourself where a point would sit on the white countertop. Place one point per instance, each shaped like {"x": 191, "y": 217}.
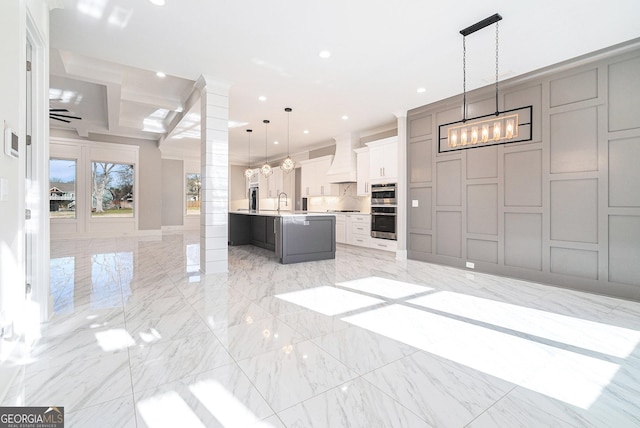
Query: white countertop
{"x": 273, "y": 213}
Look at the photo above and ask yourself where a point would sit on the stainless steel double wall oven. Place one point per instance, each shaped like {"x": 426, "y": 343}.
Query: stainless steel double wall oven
{"x": 384, "y": 205}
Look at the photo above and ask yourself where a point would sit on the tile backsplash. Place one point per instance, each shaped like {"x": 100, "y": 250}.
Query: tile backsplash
{"x": 348, "y": 200}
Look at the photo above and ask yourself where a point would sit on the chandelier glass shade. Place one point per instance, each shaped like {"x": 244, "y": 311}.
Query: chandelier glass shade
{"x": 266, "y": 169}
{"x": 288, "y": 164}
{"x": 249, "y": 171}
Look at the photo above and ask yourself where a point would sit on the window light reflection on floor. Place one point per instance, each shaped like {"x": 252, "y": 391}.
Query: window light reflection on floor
{"x": 226, "y": 408}
{"x": 568, "y": 376}
{"x": 384, "y": 287}
{"x": 114, "y": 339}
{"x": 329, "y": 300}
{"x": 168, "y": 410}
{"x": 564, "y": 375}
{"x": 192, "y": 253}
{"x": 595, "y": 336}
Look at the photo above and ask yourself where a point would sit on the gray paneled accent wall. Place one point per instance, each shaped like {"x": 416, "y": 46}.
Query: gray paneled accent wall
{"x": 563, "y": 208}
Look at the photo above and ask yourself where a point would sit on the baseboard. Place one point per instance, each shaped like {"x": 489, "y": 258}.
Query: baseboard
{"x": 90, "y": 235}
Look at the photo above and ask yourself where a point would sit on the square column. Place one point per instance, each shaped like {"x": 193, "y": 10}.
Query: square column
{"x": 214, "y": 162}
{"x": 401, "y": 217}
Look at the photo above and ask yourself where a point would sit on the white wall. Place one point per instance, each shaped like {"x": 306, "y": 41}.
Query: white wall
{"x": 11, "y": 80}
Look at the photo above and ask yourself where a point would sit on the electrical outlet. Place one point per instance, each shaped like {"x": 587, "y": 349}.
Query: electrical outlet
{"x": 471, "y": 265}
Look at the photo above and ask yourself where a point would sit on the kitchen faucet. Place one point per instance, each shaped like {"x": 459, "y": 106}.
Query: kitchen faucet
{"x": 286, "y": 202}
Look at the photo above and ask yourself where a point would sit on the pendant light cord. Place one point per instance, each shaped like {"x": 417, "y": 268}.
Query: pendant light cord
{"x": 464, "y": 78}
{"x": 249, "y": 132}
{"x": 497, "y": 33}
{"x": 266, "y": 141}
{"x": 464, "y": 71}
{"x": 288, "y": 110}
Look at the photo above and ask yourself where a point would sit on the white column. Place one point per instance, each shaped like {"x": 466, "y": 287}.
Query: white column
{"x": 401, "y": 232}
{"x": 214, "y": 161}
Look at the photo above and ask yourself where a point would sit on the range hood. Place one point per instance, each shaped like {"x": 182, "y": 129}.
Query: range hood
{"x": 343, "y": 168}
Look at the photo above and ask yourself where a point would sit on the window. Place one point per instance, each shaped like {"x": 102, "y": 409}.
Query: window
{"x": 62, "y": 188}
{"x": 193, "y": 193}
{"x": 111, "y": 189}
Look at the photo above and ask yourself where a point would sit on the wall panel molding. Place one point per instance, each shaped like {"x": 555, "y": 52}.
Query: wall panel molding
{"x": 563, "y": 209}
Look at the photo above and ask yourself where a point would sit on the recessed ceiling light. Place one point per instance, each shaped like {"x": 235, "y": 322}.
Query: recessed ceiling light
{"x": 345, "y": 117}
{"x": 306, "y": 131}
{"x": 160, "y": 74}
{"x": 276, "y": 142}
{"x": 262, "y": 98}
{"x": 324, "y": 54}
{"x": 157, "y": 2}
{"x": 421, "y": 90}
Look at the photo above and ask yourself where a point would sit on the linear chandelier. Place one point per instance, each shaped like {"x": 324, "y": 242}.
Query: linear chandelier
{"x": 501, "y": 127}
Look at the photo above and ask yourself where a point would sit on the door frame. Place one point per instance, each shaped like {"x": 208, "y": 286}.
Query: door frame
{"x": 36, "y": 194}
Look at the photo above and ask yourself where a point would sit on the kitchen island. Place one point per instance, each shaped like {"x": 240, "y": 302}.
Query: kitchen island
{"x": 294, "y": 236}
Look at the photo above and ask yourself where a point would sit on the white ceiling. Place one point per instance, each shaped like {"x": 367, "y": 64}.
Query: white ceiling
{"x": 106, "y": 53}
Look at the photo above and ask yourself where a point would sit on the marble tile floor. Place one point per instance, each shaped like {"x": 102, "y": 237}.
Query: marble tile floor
{"x": 139, "y": 338}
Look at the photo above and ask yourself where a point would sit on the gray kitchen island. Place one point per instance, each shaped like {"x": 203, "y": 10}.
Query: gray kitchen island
{"x": 295, "y": 237}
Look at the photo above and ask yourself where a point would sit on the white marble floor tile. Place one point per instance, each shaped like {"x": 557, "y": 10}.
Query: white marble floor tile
{"x": 115, "y": 413}
{"x": 223, "y": 397}
{"x": 362, "y": 350}
{"x": 70, "y": 348}
{"x": 526, "y": 408}
{"x": 84, "y": 317}
{"x": 512, "y": 415}
{"x": 82, "y": 384}
{"x": 294, "y": 373}
{"x": 426, "y": 384}
{"x": 276, "y": 306}
{"x": 270, "y": 422}
{"x": 224, "y": 316}
{"x": 355, "y": 404}
{"x": 205, "y": 295}
{"x": 312, "y": 324}
{"x": 136, "y": 324}
{"x": 168, "y": 327}
{"x": 152, "y": 308}
{"x": 248, "y": 340}
{"x": 155, "y": 364}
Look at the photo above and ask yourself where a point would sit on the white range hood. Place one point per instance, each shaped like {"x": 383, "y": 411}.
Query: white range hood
{"x": 343, "y": 168}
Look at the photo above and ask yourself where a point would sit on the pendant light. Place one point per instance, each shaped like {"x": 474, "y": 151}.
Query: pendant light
{"x": 501, "y": 127}
{"x": 266, "y": 169}
{"x": 288, "y": 164}
{"x": 249, "y": 172}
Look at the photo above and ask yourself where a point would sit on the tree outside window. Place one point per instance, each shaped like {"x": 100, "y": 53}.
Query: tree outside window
{"x": 62, "y": 188}
{"x": 111, "y": 190}
{"x": 193, "y": 193}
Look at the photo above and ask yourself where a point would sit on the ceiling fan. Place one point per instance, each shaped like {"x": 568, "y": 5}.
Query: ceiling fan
{"x": 56, "y": 114}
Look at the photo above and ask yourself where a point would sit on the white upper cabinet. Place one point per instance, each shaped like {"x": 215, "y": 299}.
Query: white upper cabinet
{"x": 314, "y": 177}
{"x": 363, "y": 167}
{"x": 383, "y": 160}
{"x": 276, "y": 184}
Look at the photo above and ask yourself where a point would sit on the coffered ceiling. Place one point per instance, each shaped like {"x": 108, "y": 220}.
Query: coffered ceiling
{"x": 105, "y": 55}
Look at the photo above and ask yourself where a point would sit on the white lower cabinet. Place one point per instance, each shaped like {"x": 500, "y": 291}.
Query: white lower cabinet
{"x": 384, "y": 244}
{"x": 359, "y": 229}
